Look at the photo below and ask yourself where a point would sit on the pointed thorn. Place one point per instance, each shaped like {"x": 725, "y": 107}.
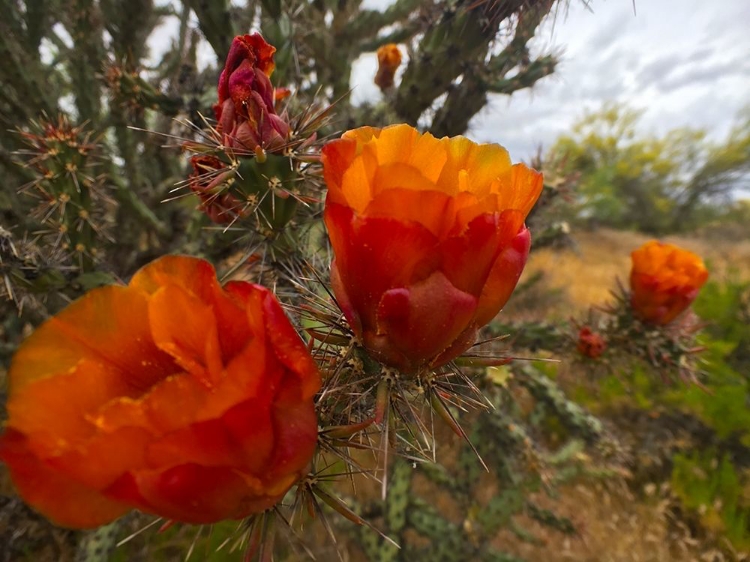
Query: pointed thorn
{"x": 381, "y": 399}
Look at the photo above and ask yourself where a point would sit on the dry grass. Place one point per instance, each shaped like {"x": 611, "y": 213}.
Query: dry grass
{"x": 615, "y": 527}
{"x": 584, "y": 276}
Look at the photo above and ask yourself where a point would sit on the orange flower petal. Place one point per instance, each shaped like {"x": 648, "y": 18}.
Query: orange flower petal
{"x": 343, "y": 301}
{"x": 357, "y": 180}
{"x": 396, "y": 144}
{"x": 482, "y": 163}
{"x": 295, "y": 442}
{"x": 171, "y": 404}
{"x": 252, "y": 428}
{"x": 185, "y": 328}
{"x": 468, "y": 258}
{"x": 251, "y": 299}
{"x": 66, "y": 502}
{"x": 505, "y": 273}
{"x": 105, "y": 457}
{"x": 289, "y": 348}
{"x": 195, "y": 275}
{"x": 337, "y": 156}
{"x": 403, "y": 145}
{"x": 55, "y": 417}
{"x": 432, "y": 209}
{"x": 361, "y": 135}
{"x": 194, "y": 494}
{"x": 413, "y": 323}
{"x": 398, "y": 175}
{"x": 370, "y": 262}
{"x": 243, "y": 437}
{"x": 63, "y": 340}
{"x": 522, "y": 190}
{"x": 250, "y": 374}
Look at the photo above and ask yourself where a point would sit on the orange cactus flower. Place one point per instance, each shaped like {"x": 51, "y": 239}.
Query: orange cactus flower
{"x": 389, "y": 59}
{"x": 428, "y": 236}
{"x": 664, "y": 280}
{"x": 171, "y": 395}
{"x": 590, "y": 343}
{"x": 245, "y": 110}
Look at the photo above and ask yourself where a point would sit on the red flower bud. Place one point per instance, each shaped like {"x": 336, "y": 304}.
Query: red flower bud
{"x": 245, "y": 110}
{"x": 428, "y": 236}
{"x": 171, "y": 395}
{"x": 664, "y": 280}
{"x": 210, "y": 180}
{"x": 590, "y": 343}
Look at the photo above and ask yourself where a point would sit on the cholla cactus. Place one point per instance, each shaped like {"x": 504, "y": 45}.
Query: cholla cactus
{"x": 131, "y": 91}
{"x": 256, "y": 166}
{"x": 649, "y": 321}
{"x": 70, "y": 191}
{"x": 456, "y": 44}
{"x": 672, "y": 350}
{"x": 652, "y": 320}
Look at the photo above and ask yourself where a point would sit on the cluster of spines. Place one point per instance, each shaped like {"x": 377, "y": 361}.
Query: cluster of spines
{"x": 390, "y": 418}
{"x": 672, "y": 351}
{"x": 71, "y": 196}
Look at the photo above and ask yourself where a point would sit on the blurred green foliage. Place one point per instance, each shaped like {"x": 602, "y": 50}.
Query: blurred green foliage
{"x": 654, "y": 184}
{"x": 710, "y": 452}
{"x": 711, "y": 486}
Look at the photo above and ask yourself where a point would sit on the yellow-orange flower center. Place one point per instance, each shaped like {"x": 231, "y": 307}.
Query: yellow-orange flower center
{"x": 478, "y": 178}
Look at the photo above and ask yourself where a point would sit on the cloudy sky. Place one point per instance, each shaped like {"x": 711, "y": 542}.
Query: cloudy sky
{"x": 684, "y": 62}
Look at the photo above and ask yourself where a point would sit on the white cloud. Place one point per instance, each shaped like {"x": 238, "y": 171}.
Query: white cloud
{"x": 684, "y": 63}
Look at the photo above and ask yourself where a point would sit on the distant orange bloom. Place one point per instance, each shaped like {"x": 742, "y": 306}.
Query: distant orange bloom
{"x": 664, "y": 280}
{"x": 590, "y": 343}
{"x": 428, "y": 236}
{"x": 389, "y": 59}
{"x": 171, "y": 395}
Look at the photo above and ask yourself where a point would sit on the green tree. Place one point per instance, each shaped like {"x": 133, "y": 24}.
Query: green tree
{"x": 650, "y": 183}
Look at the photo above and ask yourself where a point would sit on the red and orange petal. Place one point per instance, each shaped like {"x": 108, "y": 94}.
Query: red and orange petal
{"x": 209, "y": 397}
{"x": 288, "y": 348}
{"x": 62, "y": 499}
{"x": 417, "y": 325}
{"x": 53, "y": 423}
{"x": 192, "y": 493}
{"x": 198, "y": 278}
{"x": 61, "y": 343}
{"x": 367, "y": 261}
{"x": 503, "y": 277}
{"x": 406, "y": 210}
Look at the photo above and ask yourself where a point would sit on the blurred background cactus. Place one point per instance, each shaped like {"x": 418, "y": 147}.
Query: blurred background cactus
{"x": 82, "y": 83}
